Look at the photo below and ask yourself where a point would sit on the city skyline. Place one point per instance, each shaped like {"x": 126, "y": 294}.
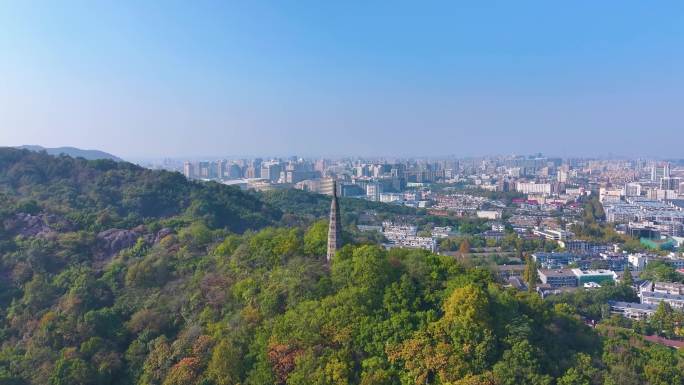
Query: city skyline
{"x": 146, "y": 81}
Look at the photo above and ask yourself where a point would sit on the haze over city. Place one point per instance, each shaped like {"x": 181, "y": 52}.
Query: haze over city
{"x": 173, "y": 79}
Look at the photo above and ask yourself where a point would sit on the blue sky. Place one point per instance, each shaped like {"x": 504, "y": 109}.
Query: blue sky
{"x": 151, "y": 79}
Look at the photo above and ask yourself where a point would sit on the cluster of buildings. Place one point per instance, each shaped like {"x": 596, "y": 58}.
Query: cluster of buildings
{"x": 537, "y": 176}
{"x": 646, "y": 218}
{"x": 588, "y": 266}
{"x": 650, "y": 205}
{"x": 645, "y": 197}
{"x": 543, "y": 195}
{"x": 651, "y": 294}
{"x": 378, "y": 176}
{"x": 400, "y": 235}
{"x": 257, "y": 173}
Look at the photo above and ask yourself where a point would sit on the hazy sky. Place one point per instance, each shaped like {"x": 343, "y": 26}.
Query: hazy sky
{"x": 334, "y": 78}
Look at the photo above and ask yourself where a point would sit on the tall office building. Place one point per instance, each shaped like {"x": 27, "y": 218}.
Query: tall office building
{"x": 204, "y": 170}
{"x": 221, "y": 168}
{"x": 632, "y": 189}
{"x": 234, "y": 171}
{"x": 670, "y": 183}
{"x": 373, "y": 190}
{"x": 188, "y": 170}
{"x": 658, "y": 172}
{"x": 270, "y": 171}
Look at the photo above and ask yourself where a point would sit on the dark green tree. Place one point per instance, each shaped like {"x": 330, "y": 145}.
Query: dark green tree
{"x": 627, "y": 278}
{"x": 530, "y": 274}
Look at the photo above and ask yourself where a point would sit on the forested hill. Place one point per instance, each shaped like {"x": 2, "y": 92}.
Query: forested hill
{"x": 111, "y": 274}
{"x": 103, "y": 194}
{"x": 72, "y": 152}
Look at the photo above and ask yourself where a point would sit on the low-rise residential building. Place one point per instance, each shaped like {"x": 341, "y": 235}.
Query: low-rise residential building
{"x": 555, "y": 260}
{"x": 406, "y": 236}
{"x": 546, "y": 290}
{"x": 442, "y": 232}
{"x": 498, "y": 226}
{"x": 632, "y": 310}
{"x": 597, "y": 276}
{"x": 553, "y": 234}
{"x": 413, "y": 242}
{"x": 668, "y": 287}
{"x": 391, "y": 230}
{"x": 507, "y": 271}
{"x": 493, "y": 235}
{"x": 558, "y": 277}
{"x": 639, "y": 261}
{"x": 676, "y": 301}
{"x": 488, "y": 214}
{"x": 369, "y": 228}
{"x": 533, "y": 188}
{"x": 579, "y": 246}
{"x": 606, "y": 262}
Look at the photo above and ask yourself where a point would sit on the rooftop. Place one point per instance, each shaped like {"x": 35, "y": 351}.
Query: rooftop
{"x": 510, "y": 267}
{"x": 655, "y": 294}
{"x": 633, "y": 305}
{"x": 581, "y": 272}
{"x": 557, "y": 272}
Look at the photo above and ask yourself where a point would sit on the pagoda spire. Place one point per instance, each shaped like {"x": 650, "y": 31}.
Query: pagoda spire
{"x": 334, "y": 227}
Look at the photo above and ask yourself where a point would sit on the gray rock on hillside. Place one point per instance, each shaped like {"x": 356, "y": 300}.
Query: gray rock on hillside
{"x": 114, "y": 240}
{"x": 42, "y": 225}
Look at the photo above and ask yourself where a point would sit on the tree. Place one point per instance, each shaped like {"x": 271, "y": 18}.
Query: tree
{"x": 464, "y": 247}
{"x": 660, "y": 271}
{"x": 185, "y": 372}
{"x": 157, "y": 363}
{"x": 530, "y": 274}
{"x": 582, "y": 373}
{"x": 624, "y": 362}
{"x": 72, "y": 371}
{"x": 627, "y": 278}
{"x": 661, "y": 367}
{"x": 316, "y": 239}
{"x": 225, "y": 366}
{"x": 459, "y": 344}
{"x": 520, "y": 366}
{"x": 663, "y": 320}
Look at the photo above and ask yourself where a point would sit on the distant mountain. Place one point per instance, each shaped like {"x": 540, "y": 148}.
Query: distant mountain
{"x": 73, "y": 152}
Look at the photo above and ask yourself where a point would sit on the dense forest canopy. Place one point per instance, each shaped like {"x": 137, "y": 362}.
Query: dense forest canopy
{"x": 114, "y": 274}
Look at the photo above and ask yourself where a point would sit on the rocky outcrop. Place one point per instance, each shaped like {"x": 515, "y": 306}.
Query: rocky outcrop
{"x": 41, "y": 225}
{"x": 161, "y": 234}
{"x": 112, "y": 241}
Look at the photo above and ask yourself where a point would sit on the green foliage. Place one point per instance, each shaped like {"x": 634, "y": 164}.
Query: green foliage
{"x": 660, "y": 271}
{"x": 590, "y": 303}
{"x": 101, "y": 194}
{"x": 627, "y": 278}
{"x": 316, "y": 239}
{"x": 582, "y": 373}
{"x": 519, "y": 365}
{"x": 530, "y": 274}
